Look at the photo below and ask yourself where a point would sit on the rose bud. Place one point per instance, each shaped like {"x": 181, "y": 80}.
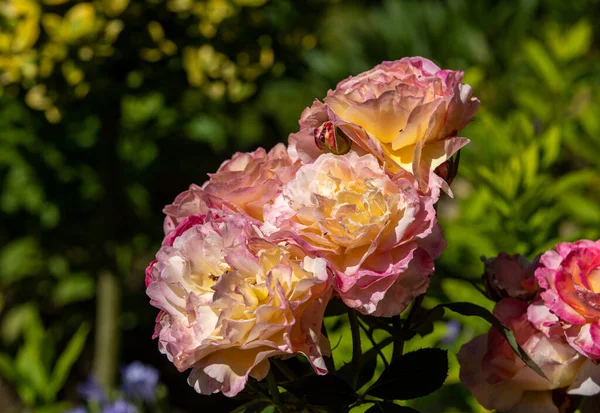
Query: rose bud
{"x": 330, "y": 138}
{"x": 510, "y": 276}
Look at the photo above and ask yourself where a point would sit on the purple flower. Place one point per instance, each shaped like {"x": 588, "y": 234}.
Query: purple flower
{"x": 120, "y": 406}
{"x": 139, "y": 381}
{"x": 90, "y": 390}
{"x": 452, "y": 331}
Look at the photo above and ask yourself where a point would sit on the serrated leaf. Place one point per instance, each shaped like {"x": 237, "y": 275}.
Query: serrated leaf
{"x": 383, "y": 407}
{"x": 367, "y": 370}
{"x": 338, "y": 392}
{"x": 415, "y": 374}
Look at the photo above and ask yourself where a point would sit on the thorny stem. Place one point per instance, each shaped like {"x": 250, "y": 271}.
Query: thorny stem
{"x": 398, "y": 338}
{"x": 329, "y": 363}
{"x": 403, "y": 328}
{"x": 369, "y": 335}
{"x": 416, "y": 305}
{"x": 356, "y": 349}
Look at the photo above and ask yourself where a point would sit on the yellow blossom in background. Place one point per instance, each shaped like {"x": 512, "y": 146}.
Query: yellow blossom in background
{"x": 58, "y": 40}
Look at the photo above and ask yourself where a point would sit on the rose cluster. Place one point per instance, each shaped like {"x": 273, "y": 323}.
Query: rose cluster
{"x": 251, "y": 258}
{"x": 553, "y": 307}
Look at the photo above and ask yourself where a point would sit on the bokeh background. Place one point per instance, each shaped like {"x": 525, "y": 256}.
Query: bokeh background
{"x": 110, "y": 108}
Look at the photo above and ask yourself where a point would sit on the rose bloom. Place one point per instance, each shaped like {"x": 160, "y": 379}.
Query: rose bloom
{"x": 510, "y": 276}
{"x": 245, "y": 183}
{"x": 570, "y": 282}
{"x": 378, "y": 234}
{"x": 500, "y": 380}
{"x": 408, "y": 113}
{"x": 230, "y": 300}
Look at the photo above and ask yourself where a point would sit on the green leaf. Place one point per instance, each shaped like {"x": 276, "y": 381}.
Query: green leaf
{"x": 367, "y": 370}
{"x": 19, "y": 259}
{"x": 415, "y": 374}
{"x": 322, "y": 390}
{"x": 29, "y": 366}
{"x": 77, "y": 287}
{"x": 7, "y": 370}
{"x": 540, "y": 62}
{"x": 59, "y": 407}
{"x": 66, "y": 360}
{"x": 384, "y": 407}
{"x": 207, "y": 130}
{"x": 550, "y": 142}
{"x": 572, "y": 44}
{"x": 15, "y": 321}
{"x": 470, "y": 309}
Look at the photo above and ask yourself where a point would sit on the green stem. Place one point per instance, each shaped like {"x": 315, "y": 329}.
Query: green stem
{"x": 369, "y": 335}
{"x": 582, "y": 404}
{"x": 274, "y": 391}
{"x": 356, "y": 348}
{"x": 107, "y": 329}
{"x": 416, "y": 305}
{"x": 287, "y": 372}
{"x": 244, "y": 406}
{"x": 398, "y": 338}
{"x": 329, "y": 362}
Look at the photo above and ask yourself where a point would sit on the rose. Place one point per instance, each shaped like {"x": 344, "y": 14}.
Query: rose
{"x": 245, "y": 183}
{"x": 407, "y": 113}
{"x": 378, "y": 234}
{"x": 230, "y": 300}
{"x": 570, "y": 280}
{"x": 510, "y": 276}
{"x": 252, "y": 180}
{"x": 498, "y": 379}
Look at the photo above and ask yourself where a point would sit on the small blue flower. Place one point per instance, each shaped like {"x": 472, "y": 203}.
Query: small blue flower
{"x": 91, "y": 391}
{"x": 120, "y": 406}
{"x": 453, "y": 328}
{"x": 139, "y": 381}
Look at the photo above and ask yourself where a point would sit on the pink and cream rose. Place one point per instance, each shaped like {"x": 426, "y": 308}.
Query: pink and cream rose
{"x": 378, "y": 233}
{"x": 408, "y": 113}
{"x": 510, "y": 276}
{"x": 244, "y": 183}
{"x": 570, "y": 282}
{"x": 500, "y": 380}
{"x": 230, "y": 300}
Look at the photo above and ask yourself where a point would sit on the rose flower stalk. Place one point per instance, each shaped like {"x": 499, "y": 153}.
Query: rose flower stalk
{"x": 407, "y": 113}
{"x": 229, "y": 300}
{"x": 491, "y": 370}
{"x": 378, "y": 234}
{"x": 251, "y": 258}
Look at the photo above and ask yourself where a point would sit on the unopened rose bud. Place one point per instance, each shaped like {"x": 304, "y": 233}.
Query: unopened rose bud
{"x": 330, "y": 138}
{"x": 509, "y": 276}
{"x": 449, "y": 169}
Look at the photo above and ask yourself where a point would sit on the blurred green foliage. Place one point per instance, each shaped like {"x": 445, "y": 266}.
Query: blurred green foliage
{"x": 110, "y": 108}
